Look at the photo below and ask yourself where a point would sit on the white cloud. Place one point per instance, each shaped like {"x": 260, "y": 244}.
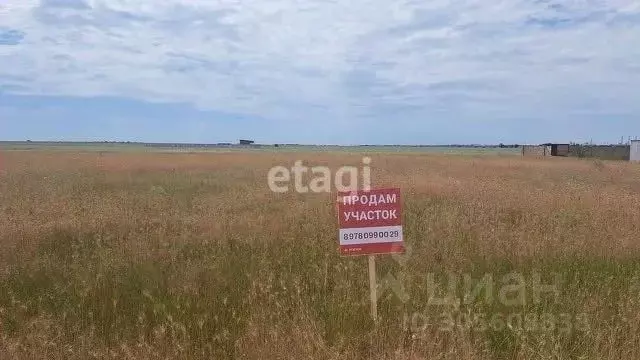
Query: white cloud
{"x": 338, "y": 60}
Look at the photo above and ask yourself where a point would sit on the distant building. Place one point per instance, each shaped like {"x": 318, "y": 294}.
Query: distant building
{"x": 602, "y": 152}
{"x": 547, "y": 149}
{"x": 536, "y": 150}
{"x": 246, "y": 142}
{"x": 634, "y": 154}
{"x": 558, "y": 149}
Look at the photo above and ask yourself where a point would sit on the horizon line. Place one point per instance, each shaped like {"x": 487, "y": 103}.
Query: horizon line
{"x": 506, "y": 145}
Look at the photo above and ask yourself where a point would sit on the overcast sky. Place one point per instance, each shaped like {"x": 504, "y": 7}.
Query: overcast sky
{"x": 330, "y": 71}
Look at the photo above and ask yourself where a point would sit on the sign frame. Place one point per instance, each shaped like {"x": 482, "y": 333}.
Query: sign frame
{"x": 370, "y": 222}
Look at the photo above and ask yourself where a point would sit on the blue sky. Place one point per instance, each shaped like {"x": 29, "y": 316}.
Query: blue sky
{"x": 311, "y": 71}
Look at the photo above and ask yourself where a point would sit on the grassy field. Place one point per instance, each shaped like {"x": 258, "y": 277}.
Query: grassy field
{"x": 191, "y": 256}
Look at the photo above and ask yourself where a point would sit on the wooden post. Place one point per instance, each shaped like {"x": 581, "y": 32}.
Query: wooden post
{"x": 373, "y": 287}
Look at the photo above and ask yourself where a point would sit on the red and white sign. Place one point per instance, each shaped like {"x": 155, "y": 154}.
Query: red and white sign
{"x": 370, "y": 222}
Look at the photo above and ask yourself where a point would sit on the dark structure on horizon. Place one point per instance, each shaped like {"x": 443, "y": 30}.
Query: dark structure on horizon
{"x": 246, "y": 142}
{"x": 602, "y": 152}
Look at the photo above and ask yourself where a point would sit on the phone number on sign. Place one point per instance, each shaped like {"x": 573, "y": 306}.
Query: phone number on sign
{"x": 372, "y": 235}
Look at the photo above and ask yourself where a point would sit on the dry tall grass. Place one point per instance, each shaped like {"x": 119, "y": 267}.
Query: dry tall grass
{"x": 151, "y": 256}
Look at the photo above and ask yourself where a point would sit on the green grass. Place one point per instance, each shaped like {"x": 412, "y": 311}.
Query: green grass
{"x": 85, "y": 287}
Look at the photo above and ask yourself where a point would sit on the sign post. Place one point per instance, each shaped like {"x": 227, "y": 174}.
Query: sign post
{"x": 373, "y": 287}
{"x": 370, "y": 224}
